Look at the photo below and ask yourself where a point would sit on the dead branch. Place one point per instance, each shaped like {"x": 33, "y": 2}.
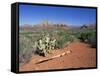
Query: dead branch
{"x": 57, "y": 56}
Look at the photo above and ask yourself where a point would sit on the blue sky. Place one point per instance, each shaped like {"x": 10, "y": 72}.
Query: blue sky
{"x": 32, "y": 14}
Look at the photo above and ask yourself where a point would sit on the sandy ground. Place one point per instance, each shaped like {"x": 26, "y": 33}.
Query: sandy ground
{"x": 81, "y": 55}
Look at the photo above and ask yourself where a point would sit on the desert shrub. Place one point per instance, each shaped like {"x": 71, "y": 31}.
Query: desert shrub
{"x": 88, "y": 36}
{"x": 64, "y": 38}
{"x": 92, "y": 39}
{"x": 84, "y": 36}
{"x": 25, "y": 49}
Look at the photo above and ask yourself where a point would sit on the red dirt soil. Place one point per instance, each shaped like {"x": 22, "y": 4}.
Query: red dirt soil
{"x": 81, "y": 56}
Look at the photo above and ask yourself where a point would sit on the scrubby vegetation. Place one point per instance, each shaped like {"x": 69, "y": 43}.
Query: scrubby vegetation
{"x": 25, "y": 49}
{"x": 65, "y": 38}
{"x": 30, "y": 41}
{"x": 88, "y": 36}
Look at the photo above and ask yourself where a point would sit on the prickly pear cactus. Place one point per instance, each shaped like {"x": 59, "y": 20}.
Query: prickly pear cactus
{"x": 45, "y": 45}
{"x": 53, "y": 44}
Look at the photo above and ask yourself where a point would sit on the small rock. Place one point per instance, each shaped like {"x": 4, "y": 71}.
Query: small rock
{"x": 68, "y": 52}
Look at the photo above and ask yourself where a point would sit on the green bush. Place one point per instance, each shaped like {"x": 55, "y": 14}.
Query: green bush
{"x": 88, "y": 36}
{"x": 84, "y": 36}
{"x": 92, "y": 39}
{"x": 25, "y": 49}
{"x": 65, "y": 38}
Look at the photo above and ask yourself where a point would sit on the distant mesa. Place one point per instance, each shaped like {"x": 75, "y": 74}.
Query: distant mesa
{"x": 50, "y": 25}
{"x": 44, "y": 25}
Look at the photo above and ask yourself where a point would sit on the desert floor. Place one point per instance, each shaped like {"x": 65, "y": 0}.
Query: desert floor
{"x": 79, "y": 55}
